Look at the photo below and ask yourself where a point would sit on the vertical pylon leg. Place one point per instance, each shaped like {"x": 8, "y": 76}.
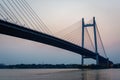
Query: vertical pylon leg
{"x": 95, "y": 41}
{"x": 82, "y": 61}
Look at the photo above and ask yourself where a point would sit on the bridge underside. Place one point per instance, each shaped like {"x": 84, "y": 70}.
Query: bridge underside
{"x": 25, "y": 33}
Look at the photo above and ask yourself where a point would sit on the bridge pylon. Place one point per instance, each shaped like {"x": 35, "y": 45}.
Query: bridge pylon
{"x": 95, "y": 39}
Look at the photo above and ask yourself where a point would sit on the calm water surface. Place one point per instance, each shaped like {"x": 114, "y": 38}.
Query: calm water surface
{"x": 59, "y": 74}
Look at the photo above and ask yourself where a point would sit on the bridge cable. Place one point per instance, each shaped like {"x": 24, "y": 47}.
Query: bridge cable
{"x": 25, "y": 14}
{"x": 68, "y": 32}
{"x": 18, "y": 7}
{"x": 29, "y": 13}
{"x": 37, "y": 17}
{"x": 71, "y": 36}
{"x": 90, "y": 38}
{"x": 12, "y": 12}
{"x": 65, "y": 30}
{"x": 2, "y": 15}
{"x": 101, "y": 41}
{"x": 87, "y": 41}
{"x": 25, "y": 23}
{"x": 41, "y": 27}
{"x": 6, "y": 12}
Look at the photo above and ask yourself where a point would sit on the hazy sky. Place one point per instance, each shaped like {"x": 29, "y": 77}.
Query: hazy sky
{"x": 58, "y": 14}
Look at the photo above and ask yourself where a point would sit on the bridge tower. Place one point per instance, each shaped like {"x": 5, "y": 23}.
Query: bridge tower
{"x": 95, "y": 39}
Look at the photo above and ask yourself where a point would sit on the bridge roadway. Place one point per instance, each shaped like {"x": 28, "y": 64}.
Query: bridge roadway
{"x": 26, "y": 33}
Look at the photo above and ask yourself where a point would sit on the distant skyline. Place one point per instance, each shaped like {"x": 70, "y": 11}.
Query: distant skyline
{"x": 58, "y": 14}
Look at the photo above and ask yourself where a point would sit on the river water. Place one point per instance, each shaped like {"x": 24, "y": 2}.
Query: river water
{"x": 59, "y": 74}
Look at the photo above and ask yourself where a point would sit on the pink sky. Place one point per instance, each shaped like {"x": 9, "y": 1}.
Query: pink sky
{"x": 57, "y": 15}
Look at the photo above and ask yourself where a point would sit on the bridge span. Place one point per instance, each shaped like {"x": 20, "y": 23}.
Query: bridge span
{"x": 11, "y": 29}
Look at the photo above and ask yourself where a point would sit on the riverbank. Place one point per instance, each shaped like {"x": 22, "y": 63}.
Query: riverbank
{"x": 55, "y": 66}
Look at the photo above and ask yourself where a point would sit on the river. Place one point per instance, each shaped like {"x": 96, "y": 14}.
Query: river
{"x": 59, "y": 74}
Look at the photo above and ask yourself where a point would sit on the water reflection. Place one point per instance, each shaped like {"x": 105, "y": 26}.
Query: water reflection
{"x": 84, "y": 75}
{"x": 59, "y": 74}
{"x": 95, "y": 75}
{"x": 88, "y": 75}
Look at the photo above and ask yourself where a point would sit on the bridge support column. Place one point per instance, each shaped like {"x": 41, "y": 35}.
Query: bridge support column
{"x": 95, "y": 39}
{"x": 82, "y": 60}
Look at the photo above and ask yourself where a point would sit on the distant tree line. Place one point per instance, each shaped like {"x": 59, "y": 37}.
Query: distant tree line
{"x": 54, "y": 66}
{"x": 38, "y": 66}
{"x": 116, "y": 65}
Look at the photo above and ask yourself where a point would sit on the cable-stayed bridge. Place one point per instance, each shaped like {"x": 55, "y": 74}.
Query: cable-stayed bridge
{"x": 18, "y": 19}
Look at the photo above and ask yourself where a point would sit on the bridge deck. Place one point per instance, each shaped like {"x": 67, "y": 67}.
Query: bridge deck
{"x": 25, "y": 33}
